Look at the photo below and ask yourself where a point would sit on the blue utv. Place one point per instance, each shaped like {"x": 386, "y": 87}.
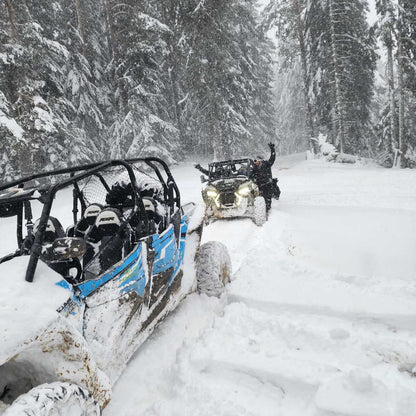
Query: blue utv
{"x": 111, "y": 253}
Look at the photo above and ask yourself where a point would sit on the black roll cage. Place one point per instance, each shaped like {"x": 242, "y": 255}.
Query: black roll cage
{"x": 229, "y": 162}
{"x": 78, "y": 173}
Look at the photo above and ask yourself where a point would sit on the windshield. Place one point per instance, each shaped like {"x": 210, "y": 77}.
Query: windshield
{"x": 230, "y": 169}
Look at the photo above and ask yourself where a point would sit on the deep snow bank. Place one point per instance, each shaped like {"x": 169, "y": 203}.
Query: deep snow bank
{"x": 26, "y": 308}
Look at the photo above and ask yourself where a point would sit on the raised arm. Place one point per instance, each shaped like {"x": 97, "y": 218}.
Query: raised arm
{"x": 272, "y": 157}
{"x": 201, "y": 169}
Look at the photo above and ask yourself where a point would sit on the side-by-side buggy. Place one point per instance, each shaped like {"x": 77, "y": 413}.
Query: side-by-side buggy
{"x": 230, "y": 191}
{"x": 102, "y": 253}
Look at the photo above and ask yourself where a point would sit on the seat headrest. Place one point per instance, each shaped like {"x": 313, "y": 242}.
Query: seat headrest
{"x": 108, "y": 216}
{"x": 108, "y": 222}
{"x": 149, "y": 204}
{"x": 91, "y": 213}
{"x": 53, "y": 229}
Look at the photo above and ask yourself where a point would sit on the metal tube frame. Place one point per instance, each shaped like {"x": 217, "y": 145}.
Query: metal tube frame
{"x": 171, "y": 194}
{"x": 37, "y": 245}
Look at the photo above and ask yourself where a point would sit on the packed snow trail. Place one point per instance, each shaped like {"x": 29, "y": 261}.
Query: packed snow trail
{"x": 320, "y": 317}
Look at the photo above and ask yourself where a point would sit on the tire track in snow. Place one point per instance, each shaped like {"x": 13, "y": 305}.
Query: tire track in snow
{"x": 396, "y": 321}
{"x": 297, "y": 353}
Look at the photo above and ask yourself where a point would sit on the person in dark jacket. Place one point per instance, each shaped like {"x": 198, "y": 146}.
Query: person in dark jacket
{"x": 201, "y": 169}
{"x": 217, "y": 173}
{"x": 262, "y": 176}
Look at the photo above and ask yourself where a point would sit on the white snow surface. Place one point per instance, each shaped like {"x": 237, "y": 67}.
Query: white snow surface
{"x": 26, "y": 308}
{"x": 319, "y": 319}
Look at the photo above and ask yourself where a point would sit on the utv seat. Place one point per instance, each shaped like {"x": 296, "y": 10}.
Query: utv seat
{"x": 107, "y": 242}
{"x": 156, "y": 221}
{"x": 53, "y": 231}
{"x": 150, "y": 205}
{"x": 88, "y": 219}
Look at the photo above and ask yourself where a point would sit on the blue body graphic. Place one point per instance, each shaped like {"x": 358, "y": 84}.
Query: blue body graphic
{"x": 130, "y": 274}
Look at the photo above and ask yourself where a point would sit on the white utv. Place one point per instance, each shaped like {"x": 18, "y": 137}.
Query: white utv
{"x": 77, "y": 301}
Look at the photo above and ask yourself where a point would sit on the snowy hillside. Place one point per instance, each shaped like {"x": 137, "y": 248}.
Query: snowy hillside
{"x": 319, "y": 320}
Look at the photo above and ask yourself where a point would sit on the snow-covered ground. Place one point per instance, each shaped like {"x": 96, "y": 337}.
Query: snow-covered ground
{"x": 320, "y": 319}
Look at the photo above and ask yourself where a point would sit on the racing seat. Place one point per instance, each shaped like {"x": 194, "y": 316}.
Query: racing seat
{"x": 107, "y": 241}
{"x": 87, "y": 220}
{"x": 53, "y": 231}
{"x": 150, "y": 205}
{"x": 156, "y": 221}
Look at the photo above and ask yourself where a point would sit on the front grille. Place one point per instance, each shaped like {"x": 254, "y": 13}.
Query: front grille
{"x": 227, "y": 198}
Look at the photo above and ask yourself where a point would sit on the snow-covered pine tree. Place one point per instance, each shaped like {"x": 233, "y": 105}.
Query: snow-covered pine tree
{"x": 258, "y": 70}
{"x": 288, "y": 18}
{"x": 386, "y": 31}
{"x": 11, "y": 133}
{"x": 213, "y": 77}
{"x": 396, "y": 29}
{"x": 86, "y": 85}
{"x": 222, "y": 77}
{"x": 176, "y": 14}
{"x": 342, "y": 60}
{"x": 48, "y": 87}
{"x": 406, "y": 58}
{"x": 291, "y": 125}
{"x": 171, "y": 13}
{"x": 142, "y": 123}
{"x": 11, "y": 140}
{"x": 26, "y": 77}
{"x": 407, "y": 29}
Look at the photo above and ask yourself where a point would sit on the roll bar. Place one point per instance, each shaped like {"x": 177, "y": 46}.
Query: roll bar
{"x": 37, "y": 244}
{"x": 78, "y": 173}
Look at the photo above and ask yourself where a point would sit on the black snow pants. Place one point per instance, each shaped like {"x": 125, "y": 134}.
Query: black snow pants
{"x": 268, "y": 191}
{"x": 276, "y": 189}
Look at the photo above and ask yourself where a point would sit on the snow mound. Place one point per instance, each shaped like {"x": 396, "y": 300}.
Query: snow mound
{"x": 358, "y": 393}
{"x": 26, "y": 308}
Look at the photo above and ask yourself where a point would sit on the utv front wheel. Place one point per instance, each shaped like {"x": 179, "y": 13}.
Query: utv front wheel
{"x": 54, "y": 399}
{"x": 213, "y": 268}
{"x": 260, "y": 211}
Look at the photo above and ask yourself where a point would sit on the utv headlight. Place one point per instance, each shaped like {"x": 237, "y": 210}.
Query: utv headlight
{"x": 212, "y": 193}
{"x": 244, "y": 190}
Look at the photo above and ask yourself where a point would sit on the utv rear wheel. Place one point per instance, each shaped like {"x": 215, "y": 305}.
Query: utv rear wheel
{"x": 260, "y": 211}
{"x": 213, "y": 268}
{"x": 54, "y": 399}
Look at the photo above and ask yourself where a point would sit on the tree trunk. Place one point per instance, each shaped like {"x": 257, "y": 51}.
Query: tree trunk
{"x": 175, "y": 95}
{"x": 109, "y": 27}
{"x": 401, "y": 97}
{"x": 12, "y": 19}
{"x": 81, "y": 28}
{"x": 216, "y": 134}
{"x": 300, "y": 28}
{"x": 339, "y": 103}
{"x": 390, "y": 69}
{"x": 170, "y": 19}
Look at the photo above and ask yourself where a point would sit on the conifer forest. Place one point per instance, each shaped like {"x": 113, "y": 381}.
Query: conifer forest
{"x": 87, "y": 80}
